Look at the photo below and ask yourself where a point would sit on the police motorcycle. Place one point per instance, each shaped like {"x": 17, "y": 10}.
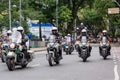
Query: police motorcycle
{"x": 82, "y": 48}
{"x": 5, "y": 49}
{"x": 52, "y": 48}
{"x": 104, "y": 48}
{"x": 15, "y": 56}
{"x": 68, "y": 48}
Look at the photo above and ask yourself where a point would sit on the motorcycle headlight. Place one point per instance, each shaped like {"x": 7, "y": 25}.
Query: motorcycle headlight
{"x": 84, "y": 43}
{"x": 12, "y": 45}
{"x": 67, "y": 46}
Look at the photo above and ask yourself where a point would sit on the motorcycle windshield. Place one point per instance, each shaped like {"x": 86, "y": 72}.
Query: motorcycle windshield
{"x": 16, "y": 37}
{"x": 104, "y": 40}
{"x": 84, "y": 39}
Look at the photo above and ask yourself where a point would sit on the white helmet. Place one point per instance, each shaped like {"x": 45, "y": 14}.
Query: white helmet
{"x": 84, "y": 30}
{"x": 77, "y": 28}
{"x": 68, "y": 34}
{"x": 9, "y": 32}
{"x": 81, "y": 23}
{"x": 20, "y": 28}
{"x": 54, "y": 28}
{"x": 14, "y": 29}
{"x": 65, "y": 36}
{"x": 104, "y": 31}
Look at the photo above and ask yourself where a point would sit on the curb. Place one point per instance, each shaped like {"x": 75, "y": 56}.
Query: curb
{"x": 38, "y": 49}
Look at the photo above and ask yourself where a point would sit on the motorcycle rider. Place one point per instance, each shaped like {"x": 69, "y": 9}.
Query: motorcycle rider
{"x": 22, "y": 41}
{"x": 8, "y": 38}
{"x": 77, "y": 31}
{"x": 85, "y": 35}
{"x": 58, "y": 39}
{"x": 104, "y": 34}
{"x": 69, "y": 39}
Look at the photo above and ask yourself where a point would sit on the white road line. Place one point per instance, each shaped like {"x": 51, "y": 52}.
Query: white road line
{"x": 116, "y": 72}
{"x": 35, "y": 65}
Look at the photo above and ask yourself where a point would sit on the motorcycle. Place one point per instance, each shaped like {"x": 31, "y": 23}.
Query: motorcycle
{"x": 68, "y": 49}
{"x": 16, "y": 57}
{"x": 83, "y": 49}
{"x": 5, "y": 48}
{"x": 77, "y": 45}
{"x": 52, "y": 48}
{"x": 104, "y": 49}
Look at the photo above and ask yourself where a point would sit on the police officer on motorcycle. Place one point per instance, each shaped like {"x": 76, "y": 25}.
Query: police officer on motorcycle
{"x": 9, "y": 33}
{"x": 86, "y": 36}
{"x": 24, "y": 39}
{"x": 58, "y": 39}
{"x": 104, "y": 34}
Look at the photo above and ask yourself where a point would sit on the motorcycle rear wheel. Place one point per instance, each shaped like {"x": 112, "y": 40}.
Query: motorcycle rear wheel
{"x": 24, "y": 65}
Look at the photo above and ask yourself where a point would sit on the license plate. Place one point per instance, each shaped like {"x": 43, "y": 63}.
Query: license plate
{"x": 51, "y": 52}
{"x": 83, "y": 50}
{"x": 104, "y": 49}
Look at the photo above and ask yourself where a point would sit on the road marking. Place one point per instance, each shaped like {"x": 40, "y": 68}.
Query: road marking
{"x": 116, "y": 72}
{"x": 35, "y": 65}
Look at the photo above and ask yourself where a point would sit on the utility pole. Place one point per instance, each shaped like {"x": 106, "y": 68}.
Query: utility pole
{"x": 10, "y": 14}
{"x": 57, "y": 13}
{"x": 20, "y": 11}
{"x": 75, "y": 29}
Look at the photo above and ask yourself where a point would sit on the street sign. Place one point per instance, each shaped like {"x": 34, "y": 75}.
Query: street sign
{"x": 113, "y": 10}
{"x": 29, "y": 35}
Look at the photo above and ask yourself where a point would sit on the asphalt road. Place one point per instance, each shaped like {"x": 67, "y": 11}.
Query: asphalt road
{"x": 70, "y": 68}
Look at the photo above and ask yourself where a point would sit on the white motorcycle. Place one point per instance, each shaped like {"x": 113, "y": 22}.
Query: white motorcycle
{"x": 53, "y": 49}
{"x": 82, "y": 48}
{"x": 104, "y": 48}
{"x": 5, "y": 49}
{"x": 16, "y": 57}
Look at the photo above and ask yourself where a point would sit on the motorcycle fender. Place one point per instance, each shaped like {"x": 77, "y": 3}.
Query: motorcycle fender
{"x": 47, "y": 55}
{"x": 12, "y": 55}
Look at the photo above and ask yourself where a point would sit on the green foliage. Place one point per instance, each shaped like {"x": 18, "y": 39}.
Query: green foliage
{"x": 64, "y": 14}
{"x": 94, "y": 13}
{"x": 117, "y": 34}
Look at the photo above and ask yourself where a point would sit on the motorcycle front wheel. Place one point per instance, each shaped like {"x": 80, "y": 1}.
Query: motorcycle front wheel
{"x": 3, "y": 57}
{"x": 10, "y": 64}
{"x": 50, "y": 60}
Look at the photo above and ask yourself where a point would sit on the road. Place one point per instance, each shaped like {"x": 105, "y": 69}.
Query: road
{"x": 70, "y": 68}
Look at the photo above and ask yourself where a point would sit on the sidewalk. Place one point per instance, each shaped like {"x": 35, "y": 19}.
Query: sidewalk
{"x": 38, "y": 49}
